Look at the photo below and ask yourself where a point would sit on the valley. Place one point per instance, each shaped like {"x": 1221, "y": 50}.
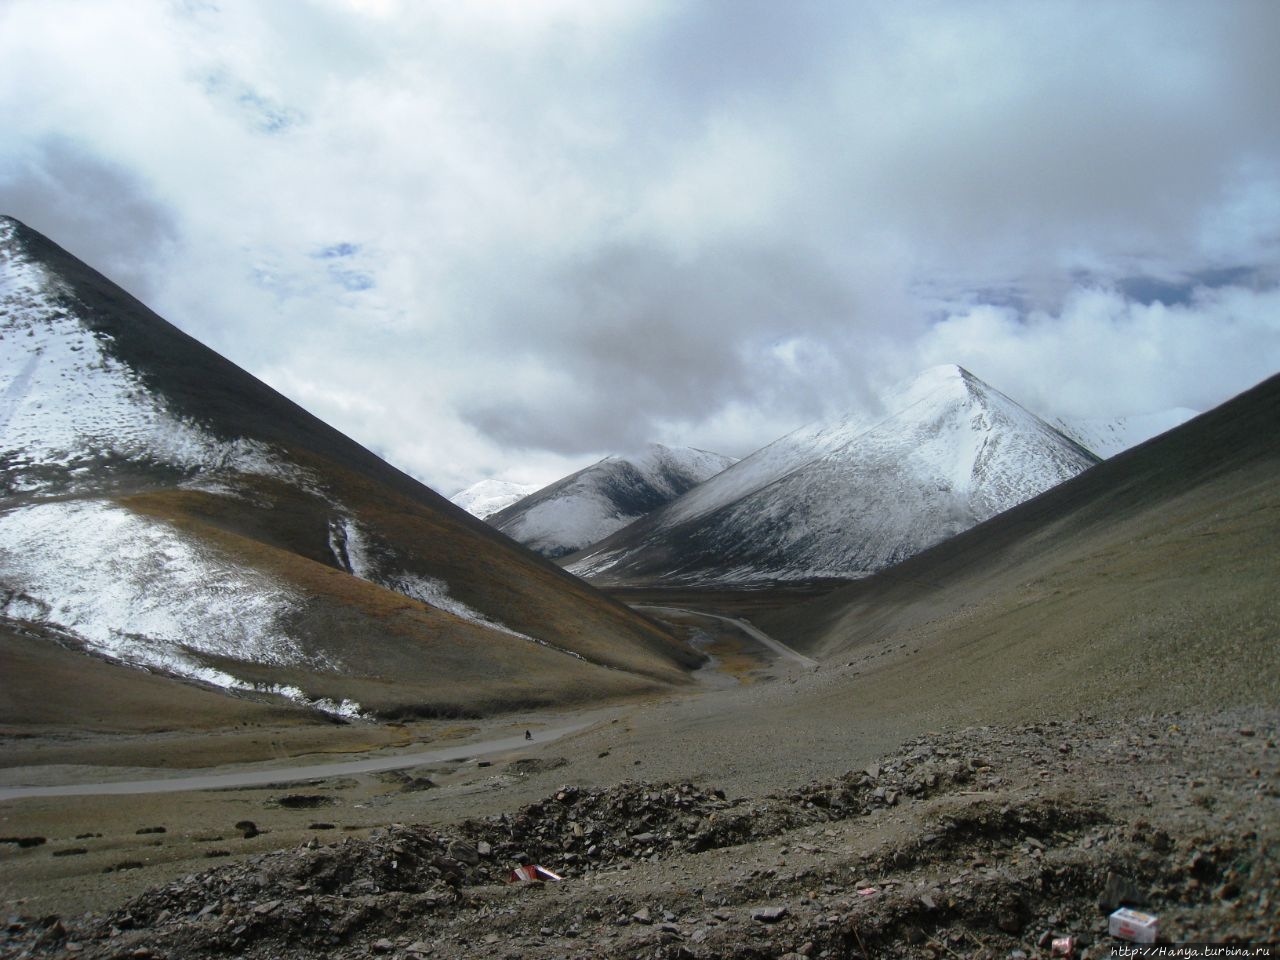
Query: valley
{"x": 940, "y": 682}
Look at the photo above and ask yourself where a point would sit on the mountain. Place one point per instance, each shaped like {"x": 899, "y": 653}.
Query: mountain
{"x": 844, "y": 498}
{"x": 1107, "y": 437}
{"x": 587, "y": 506}
{"x": 1147, "y": 579}
{"x": 486, "y": 497}
{"x": 162, "y": 508}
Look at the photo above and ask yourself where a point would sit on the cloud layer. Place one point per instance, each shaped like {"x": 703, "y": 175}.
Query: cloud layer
{"x": 507, "y": 238}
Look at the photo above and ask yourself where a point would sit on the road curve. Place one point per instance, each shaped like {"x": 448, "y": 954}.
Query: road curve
{"x": 755, "y": 633}
{"x": 260, "y": 777}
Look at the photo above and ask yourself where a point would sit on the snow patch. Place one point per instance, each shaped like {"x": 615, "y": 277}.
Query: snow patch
{"x": 138, "y": 591}
{"x": 67, "y": 403}
{"x": 358, "y": 556}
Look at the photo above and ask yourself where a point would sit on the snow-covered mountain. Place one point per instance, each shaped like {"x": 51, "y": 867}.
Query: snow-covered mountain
{"x": 587, "y": 506}
{"x": 1107, "y": 437}
{"x": 484, "y": 498}
{"x": 847, "y": 497}
{"x": 163, "y": 508}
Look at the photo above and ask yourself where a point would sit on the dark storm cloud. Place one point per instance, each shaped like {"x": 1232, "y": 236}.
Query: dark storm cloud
{"x": 102, "y": 212}
{"x": 637, "y": 336}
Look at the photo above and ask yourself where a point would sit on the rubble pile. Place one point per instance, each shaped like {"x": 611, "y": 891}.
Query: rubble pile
{"x": 988, "y": 843}
{"x": 315, "y": 895}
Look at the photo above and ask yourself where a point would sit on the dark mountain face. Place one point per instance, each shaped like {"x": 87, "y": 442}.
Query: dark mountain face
{"x": 165, "y": 508}
{"x": 587, "y": 506}
{"x": 843, "y": 499}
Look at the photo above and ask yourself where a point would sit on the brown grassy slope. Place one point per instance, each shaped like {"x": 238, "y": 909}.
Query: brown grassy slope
{"x": 392, "y": 654}
{"x": 528, "y": 593}
{"x": 52, "y": 689}
{"x": 496, "y": 577}
{"x": 1148, "y": 581}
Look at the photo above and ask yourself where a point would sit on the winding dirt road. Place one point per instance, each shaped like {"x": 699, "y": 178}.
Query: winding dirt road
{"x": 777, "y": 646}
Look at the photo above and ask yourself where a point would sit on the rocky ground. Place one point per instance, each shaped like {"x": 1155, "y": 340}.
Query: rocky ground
{"x": 986, "y": 842}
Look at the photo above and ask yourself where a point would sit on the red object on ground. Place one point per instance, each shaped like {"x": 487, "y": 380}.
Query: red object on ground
{"x": 533, "y": 873}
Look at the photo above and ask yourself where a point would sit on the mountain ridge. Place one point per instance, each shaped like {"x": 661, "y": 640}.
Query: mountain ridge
{"x": 120, "y": 430}
{"x": 578, "y": 510}
{"x": 840, "y": 498}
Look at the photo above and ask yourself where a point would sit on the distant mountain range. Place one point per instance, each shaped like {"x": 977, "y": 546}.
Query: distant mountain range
{"x": 587, "y": 506}
{"x": 844, "y": 498}
{"x": 161, "y": 507}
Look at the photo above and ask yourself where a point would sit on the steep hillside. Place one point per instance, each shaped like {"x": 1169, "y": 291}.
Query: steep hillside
{"x": 587, "y": 506}
{"x": 843, "y": 499}
{"x": 164, "y": 508}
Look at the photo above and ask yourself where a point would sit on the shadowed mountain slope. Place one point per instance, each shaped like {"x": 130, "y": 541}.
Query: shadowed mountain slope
{"x": 163, "y": 507}
{"x": 1155, "y": 571}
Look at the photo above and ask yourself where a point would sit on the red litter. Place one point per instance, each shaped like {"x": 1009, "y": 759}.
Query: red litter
{"x": 1063, "y": 947}
{"x": 533, "y": 873}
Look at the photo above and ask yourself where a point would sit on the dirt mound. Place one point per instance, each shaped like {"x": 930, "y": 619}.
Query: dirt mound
{"x": 982, "y": 843}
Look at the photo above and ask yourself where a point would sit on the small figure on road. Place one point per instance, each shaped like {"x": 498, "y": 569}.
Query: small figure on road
{"x": 528, "y": 735}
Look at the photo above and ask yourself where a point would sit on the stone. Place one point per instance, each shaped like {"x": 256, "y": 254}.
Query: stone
{"x": 771, "y": 914}
{"x": 1118, "y": 891}
{"x": 463, "y": 852}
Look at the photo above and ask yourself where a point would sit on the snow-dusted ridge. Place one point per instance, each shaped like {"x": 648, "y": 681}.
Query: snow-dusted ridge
{"x": 844, "y": 498}
{"x": 353, "y": 552}
{"x": 587, "y": 506}
{"x": 1107, "y": 437}
{"x": 484, "y": 498}
{"x": 87, "y": 409}
{"x": 67, "y": 404}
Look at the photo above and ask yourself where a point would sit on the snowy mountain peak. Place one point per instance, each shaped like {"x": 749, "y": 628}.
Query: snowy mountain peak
{"x": 843, "y": 497}
{"x": 586, "y": 506}
{"x": 484, "y": 498}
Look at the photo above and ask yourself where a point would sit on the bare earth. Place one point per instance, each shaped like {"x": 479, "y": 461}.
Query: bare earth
{"x": 844, "y": 826}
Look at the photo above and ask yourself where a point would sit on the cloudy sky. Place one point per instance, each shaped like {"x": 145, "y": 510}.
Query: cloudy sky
{"x": 506, "y": 237}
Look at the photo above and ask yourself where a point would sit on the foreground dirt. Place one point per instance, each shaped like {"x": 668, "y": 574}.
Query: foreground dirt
{"x": 982, "y": 842}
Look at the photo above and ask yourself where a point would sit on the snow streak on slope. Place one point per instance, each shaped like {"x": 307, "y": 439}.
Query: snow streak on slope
{"x": 136, "y": 590}
{"x": 1106, "y": 438}
{"x": 67, "y": 405}
{"x": 849, "y": 497}
{"x": 354, "y": 553}
{"x": 486, "y": 497}
{"x": 594, "y": 502}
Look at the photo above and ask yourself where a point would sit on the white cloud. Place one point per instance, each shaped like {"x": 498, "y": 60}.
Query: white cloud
{"x": 1105, "y": 355}
{"x": 577, "y": 226}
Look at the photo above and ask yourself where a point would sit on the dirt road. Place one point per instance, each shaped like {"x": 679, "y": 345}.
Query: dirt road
{"x": 260, "y": 777}
{"x": 755, "y": 633}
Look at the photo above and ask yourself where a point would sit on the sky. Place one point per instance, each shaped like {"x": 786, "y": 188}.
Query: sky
{"x": 504, "y": 238}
